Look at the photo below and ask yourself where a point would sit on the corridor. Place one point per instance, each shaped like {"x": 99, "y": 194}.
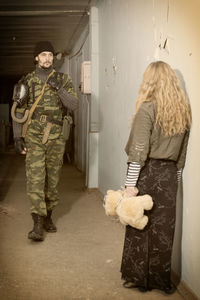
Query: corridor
{"x": 80, "y": 261}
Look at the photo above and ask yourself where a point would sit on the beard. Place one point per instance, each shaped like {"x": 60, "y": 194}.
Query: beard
{"x": 45, "y": 65}
{"x": 46, "y": 68}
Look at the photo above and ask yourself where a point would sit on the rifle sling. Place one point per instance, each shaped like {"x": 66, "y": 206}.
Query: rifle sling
{"x": 28, "y": 121}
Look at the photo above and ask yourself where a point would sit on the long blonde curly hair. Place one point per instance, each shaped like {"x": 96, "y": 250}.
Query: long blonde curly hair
{"x": 161, "y": 86}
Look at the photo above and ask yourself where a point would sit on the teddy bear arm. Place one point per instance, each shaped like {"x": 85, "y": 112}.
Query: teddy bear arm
{"x": 146, "y": 201}
{"x": 141, "y": 223}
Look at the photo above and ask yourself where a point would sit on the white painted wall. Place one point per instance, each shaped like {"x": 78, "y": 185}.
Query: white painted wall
{"x": 93, "y": 155}
{"x": 130, "y": 32}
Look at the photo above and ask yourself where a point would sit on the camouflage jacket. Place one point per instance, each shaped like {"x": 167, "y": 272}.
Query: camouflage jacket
{"x": 52, "y": 102}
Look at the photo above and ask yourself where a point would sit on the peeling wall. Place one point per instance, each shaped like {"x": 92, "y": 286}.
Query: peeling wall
{"x": 132, "y": 34}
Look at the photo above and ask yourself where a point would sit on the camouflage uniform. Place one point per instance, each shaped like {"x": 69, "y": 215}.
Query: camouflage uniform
{"x": 44, "y": 161}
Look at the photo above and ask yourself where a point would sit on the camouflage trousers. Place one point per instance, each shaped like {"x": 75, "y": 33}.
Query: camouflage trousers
{"x": 146, "y": 259}
{"x": 43, "y": 165}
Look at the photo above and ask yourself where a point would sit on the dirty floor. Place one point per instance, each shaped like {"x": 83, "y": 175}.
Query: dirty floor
{"x": 80, "y": 261}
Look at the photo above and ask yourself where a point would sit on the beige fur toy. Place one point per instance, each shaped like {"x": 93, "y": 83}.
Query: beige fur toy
{"x": 111, "y": 200}
{"x": 129, "y": 210}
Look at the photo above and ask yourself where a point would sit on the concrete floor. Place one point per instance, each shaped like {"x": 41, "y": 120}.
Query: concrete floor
{"x": 80, "y": 261}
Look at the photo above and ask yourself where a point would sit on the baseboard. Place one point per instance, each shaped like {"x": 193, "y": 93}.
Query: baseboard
{"x": 183, "y": 288}
{"x": 92, "y": 190}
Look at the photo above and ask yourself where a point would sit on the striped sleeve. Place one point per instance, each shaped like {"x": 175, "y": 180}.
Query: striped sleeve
{"x": 179, "y": 175}
{"x": 132, "y": 174}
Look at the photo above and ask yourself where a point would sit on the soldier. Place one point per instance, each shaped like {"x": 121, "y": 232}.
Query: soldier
{"x": 41, "y": 136}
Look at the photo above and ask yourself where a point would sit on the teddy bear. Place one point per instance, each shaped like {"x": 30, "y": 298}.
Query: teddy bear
{"x": 130, "y": 210}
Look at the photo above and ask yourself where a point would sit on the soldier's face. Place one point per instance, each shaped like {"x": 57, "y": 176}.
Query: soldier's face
{"x": 45, "y": 59}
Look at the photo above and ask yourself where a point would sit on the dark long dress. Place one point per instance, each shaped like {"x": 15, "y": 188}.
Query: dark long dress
{"x": 146, "y": 259}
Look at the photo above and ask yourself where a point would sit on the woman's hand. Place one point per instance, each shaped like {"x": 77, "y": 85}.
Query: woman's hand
{"x": 131, "y": 191}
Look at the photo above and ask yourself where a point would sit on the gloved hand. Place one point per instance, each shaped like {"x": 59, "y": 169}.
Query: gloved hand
{"x": 20, "y": 146}
{"x": 54, "y": 83}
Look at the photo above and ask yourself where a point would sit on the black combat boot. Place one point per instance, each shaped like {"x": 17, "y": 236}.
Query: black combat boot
{"x": 37, "y": 233}
{"x": 48, "y": 223}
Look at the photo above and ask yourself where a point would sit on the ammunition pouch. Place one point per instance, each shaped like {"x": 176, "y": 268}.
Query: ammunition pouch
{"x": 67, "y": 123}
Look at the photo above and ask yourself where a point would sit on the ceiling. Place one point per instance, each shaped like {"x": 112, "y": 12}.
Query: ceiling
{"x": 25, "y": 22}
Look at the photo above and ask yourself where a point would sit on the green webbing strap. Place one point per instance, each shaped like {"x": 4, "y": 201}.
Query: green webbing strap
{"x": 25, "y": 126}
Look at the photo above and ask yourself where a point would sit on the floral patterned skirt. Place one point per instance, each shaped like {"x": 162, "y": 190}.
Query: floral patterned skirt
{"x": 146, "y": 259}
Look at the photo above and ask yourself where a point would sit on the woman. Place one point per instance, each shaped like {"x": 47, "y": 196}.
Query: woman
{"x": 156, "y": 152}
